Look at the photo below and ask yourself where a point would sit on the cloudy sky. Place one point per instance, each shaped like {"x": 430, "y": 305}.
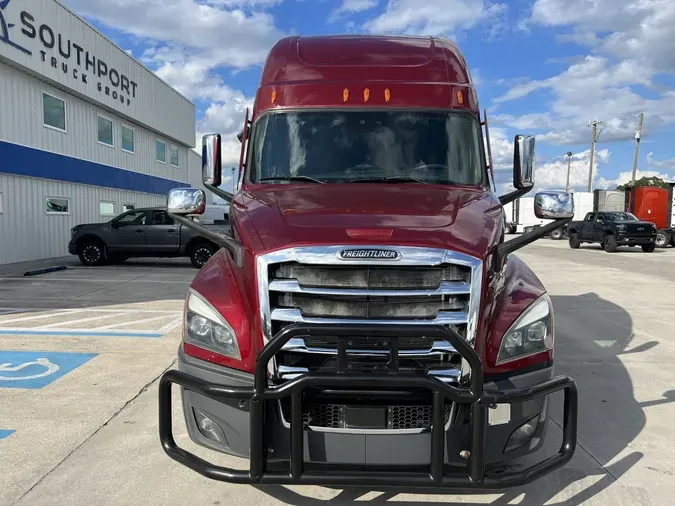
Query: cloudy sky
{"x": 542, "y": 67}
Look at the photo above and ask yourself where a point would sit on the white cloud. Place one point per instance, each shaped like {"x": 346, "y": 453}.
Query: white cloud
{"x": 434, "y": 17}
{"x": 625, "y": 177}
{"x": 351, "y": 6}
{"x": 595, "y": 88}
{"x": 661, "y": 164}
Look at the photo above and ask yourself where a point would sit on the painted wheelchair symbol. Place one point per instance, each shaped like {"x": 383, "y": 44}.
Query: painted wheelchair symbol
{"x": 50, "y": 368}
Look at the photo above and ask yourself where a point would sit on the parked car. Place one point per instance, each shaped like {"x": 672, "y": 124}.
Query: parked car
{"x": 148, "y": 232}
{"x": 612, "y": 229}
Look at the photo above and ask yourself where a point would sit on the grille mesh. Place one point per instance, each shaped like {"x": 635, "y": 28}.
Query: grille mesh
{"x": 398, "y": 416}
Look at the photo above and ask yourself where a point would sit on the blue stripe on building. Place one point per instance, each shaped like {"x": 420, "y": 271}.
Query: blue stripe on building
{"x": 31, "y": 162}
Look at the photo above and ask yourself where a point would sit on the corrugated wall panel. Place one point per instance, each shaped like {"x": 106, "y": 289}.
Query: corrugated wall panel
{"x": 27, "y": 232}
{"x": 155, "y": 104}
{"x": 21, "y": 122}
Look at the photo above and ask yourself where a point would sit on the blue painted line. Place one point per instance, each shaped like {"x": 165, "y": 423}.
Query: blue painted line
{"x": 32, "y": 162}
{"x": 9, "y": 332}
{"x": 6, "y": 433}
{"x": 37, "y": 369}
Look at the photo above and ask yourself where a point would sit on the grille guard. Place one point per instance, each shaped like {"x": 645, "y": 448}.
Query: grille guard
{"x": 474, "y": 395}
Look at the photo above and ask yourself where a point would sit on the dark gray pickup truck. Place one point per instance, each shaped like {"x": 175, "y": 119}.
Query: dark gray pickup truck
{"x": 147, "y": 232}
{"x": 612, "y": 229}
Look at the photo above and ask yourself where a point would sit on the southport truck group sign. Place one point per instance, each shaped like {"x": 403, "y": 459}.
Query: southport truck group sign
{"x": 73, "y": 58}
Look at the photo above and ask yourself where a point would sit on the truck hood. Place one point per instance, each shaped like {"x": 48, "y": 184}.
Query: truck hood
{"x": 459, "y": 218}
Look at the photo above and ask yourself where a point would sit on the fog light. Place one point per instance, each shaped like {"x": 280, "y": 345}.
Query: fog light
{"x": 209, "y": 429}
{"x": 522, "y": 435}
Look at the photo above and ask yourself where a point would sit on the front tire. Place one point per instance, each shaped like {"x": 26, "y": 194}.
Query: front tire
{"x": 557, "y": 234}
{"x": 610, "y": 243}
{"x": 574, "y": 241}
{"x": 648, "y": 248}
{"x": 201, "y": 253}
{"x": 91, "y": 253}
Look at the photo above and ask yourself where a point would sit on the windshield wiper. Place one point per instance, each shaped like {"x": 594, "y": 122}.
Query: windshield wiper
{"x": 388, "y": 179}
{"x": 291, "y": 178}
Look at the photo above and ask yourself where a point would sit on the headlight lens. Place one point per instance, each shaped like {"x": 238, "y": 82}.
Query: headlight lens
{"x": 205, "y": 327}
{"x": 531, "y": 333}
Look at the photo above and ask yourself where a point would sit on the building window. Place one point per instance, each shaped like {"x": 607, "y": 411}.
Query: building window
{"x": 53, "y": 112}
{"x": 128, "y": 207}
{"x": 105, "y": 131}
{"x": 128, "y": 139}
{"x": 58, "y": 205}
{"x": 160, "y": 148}
{"x": 174, "y": 156}
{"x": 106, "y": 208}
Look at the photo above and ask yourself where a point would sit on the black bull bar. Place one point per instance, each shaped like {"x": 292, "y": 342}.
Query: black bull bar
{"x": 473, "y": 395}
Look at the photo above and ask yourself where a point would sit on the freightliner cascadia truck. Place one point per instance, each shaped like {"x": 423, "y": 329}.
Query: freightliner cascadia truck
{"x": 364, "y": 322}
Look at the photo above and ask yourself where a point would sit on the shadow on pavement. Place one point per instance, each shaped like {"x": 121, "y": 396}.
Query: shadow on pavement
{"x": 591, "y": 333}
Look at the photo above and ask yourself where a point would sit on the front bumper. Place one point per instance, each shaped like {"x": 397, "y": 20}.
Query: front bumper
{"x": 273, "y": 462}
{"x": 624, "y": 240}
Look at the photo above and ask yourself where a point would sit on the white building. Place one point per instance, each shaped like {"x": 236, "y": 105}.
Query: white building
{"x": 86, "y": 131}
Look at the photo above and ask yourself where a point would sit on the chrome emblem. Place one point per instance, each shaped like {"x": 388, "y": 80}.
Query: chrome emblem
{"x": 641, "y": 228}
{"x": 369, "y": 254}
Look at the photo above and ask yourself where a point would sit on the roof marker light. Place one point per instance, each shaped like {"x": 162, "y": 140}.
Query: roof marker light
{"x": 460, "y": 97}
{"x": 387, "y": 95}
{"x": 345, "y": 95}
{"x": 366, "y": 95}
{"x": 274, "y": 97}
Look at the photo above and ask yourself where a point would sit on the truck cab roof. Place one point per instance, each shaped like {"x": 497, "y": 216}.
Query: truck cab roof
{"x": 338, "y": 69}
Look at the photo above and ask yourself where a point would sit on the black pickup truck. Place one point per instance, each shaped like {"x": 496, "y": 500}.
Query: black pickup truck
{"x": 149, "y": 232}
{"x": 612, "y": 229}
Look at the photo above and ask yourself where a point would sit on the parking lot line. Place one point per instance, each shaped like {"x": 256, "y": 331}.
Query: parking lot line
{"x": 132, "y": 322}
{"x": 82, "y": 320}
{"x": 98, "y": 280}
{"x": 53, "y": 313}
{"x": 78, "y": 332}
{"x": 171, "y": 325}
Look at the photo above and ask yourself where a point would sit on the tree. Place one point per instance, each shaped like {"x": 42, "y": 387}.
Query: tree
{"x": 645, "y": 181}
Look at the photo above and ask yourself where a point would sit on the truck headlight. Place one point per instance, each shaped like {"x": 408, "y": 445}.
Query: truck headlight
{"x": 205, "y": 327}
{"x": 531, "y": 333}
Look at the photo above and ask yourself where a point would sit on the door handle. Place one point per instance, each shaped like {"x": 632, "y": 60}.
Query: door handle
{"x": 139, "y": 230}
{"x": 171, "y": 231}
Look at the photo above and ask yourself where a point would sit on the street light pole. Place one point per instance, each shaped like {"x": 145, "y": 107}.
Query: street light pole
{"x": 569, "y": 165}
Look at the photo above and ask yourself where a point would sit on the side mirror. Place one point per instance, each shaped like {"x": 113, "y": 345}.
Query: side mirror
{"x": 212, "y": 170}
{"x": 554, "y": 205}
{"x": 183, "y": 201}
{"x": 523, "y": 161}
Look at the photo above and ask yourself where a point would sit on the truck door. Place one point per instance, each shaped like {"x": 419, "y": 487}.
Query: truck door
{"x": 588, "y": 226}
{"x": 162, "y": 235}
{"x": 598, "y": 227}
{"x": 127, "y": 233}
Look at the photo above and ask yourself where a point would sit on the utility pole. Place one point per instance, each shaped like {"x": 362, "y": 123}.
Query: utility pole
{"x": 594, "y": 124}
{"x": 638, "y": 135}
{"x": 569, "y": 165}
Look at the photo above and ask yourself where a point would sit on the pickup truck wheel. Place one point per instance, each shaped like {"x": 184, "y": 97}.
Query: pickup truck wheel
{"x": 610, "y": 243}
{"x": 556, "y": 235}
{"x": 200, "y": 254}
{"x": 91, "y": 253}
{"x": 574, "y": 241}
{"x": 648, "y": 248}
{"x": 662, "y": 239}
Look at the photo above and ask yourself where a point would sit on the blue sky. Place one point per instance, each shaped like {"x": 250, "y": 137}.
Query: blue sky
{"x": 542, "y": 67}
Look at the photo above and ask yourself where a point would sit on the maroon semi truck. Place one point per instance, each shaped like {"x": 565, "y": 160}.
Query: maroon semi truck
{"x": 364, "y": 322}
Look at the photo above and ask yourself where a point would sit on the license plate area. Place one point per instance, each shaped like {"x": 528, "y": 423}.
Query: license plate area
{"x": 367, "y": 354}
{"x": 359, "y": 417}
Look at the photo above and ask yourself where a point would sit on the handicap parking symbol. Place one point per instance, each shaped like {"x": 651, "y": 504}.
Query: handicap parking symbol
{"x": 37, "y": 369}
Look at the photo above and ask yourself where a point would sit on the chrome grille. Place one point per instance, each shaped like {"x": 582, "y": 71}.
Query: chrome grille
{"x": 315, "y": 285}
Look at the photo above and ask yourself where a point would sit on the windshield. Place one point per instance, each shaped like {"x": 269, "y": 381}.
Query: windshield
{"x": 362, "y": 146}
{"x": 620, "y": 217}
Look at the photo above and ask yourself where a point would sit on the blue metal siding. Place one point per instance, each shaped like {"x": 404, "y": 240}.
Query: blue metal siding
{"x": 25, "y": 161}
